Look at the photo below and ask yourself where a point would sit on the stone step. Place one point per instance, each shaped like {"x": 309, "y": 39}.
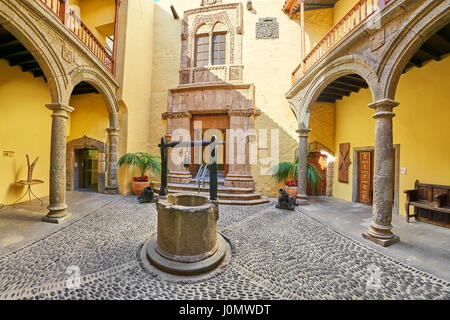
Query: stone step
{"x": 220, "y": 189}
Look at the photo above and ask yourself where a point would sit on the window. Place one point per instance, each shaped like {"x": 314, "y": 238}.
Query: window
{"x": 201, "y": 50}
{"x": 218, "y": 48}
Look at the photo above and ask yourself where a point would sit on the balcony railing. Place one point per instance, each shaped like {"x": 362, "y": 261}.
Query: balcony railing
{"x": 356, "y": 17}
{"x": 70, "y": 19}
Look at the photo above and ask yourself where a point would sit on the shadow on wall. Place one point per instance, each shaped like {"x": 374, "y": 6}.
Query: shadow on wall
{"x": 287, "y": 149}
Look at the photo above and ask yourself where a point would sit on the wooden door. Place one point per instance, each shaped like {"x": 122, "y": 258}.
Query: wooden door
{"x": 365, "y": 172}
{"x": 219, "y": 123}
{"x": 320, "y": 161}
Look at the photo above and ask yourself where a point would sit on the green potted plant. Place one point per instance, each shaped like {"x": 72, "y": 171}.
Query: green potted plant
{"x": 146, "y": 163}
{"x": 287, "y": 172}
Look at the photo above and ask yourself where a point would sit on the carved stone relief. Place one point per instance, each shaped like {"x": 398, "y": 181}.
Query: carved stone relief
{"x": 267, "y": 28}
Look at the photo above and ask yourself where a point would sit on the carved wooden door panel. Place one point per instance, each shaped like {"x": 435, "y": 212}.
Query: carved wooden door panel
{"x": 344, "y": 162}
{"x": 365, "y": 172}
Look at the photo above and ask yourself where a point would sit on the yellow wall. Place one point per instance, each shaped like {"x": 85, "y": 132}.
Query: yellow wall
{"x": 341, "y": 8}
{"x": 25, "y": 126}
{"x": 322, "y": 124}
{"x": 140, "y": 120}
{"x": 420, "y": 127}
{"x": 89, "y": 118}
{"x": 262, "y": 59}
{"x": 317, "y": 24}
{"x": 99, "y": 16}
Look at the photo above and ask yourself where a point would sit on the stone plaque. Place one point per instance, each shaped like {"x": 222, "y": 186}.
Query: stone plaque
{"x": 267, "y": 28}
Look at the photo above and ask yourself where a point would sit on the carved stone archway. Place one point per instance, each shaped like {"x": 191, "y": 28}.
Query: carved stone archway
{"x": 86, "y": 143}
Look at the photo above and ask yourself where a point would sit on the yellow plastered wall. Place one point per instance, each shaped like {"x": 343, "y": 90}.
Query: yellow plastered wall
{"x": 90, "y": 117}
{"x": 341, "y": 8}
{"x": 267, "y": 64}
{"x": 99, "y": 16}
{"x": 25, "y": 128}
{"x": 420, "y": 127}
{"x": 317, "y": 24}
{"x": 322, "y": 124}
{"x": 140, "y": 118}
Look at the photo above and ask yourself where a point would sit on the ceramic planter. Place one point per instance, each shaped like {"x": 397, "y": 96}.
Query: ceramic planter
{"x": 292, "y": 191}
{"x": 139, "y": 186}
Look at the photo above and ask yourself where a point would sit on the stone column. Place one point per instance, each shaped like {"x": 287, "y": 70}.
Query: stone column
{"x": 238, "y": 148}
{"x": 329, "y": 178}
{"x": 303, "y": 133}
{"x": 383, "y": 180}
{"x": 57, "y": 202}
{"x": 112, "y": 187}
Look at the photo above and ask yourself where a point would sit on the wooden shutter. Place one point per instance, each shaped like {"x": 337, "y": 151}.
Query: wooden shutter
{"x": 344, "y": 162}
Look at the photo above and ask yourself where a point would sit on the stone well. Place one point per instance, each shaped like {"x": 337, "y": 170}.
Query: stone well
{"x": 187, "y": 242}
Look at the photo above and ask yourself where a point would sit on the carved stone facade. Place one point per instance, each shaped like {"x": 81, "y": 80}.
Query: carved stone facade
{"x": 267, "y": 28}
{"x": 66, "y": 62}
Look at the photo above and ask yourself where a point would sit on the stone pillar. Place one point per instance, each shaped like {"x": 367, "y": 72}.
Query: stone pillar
{"x": 57, "y": 202}
{"x": 238, "y": 148}
{"x": 303, "y": 161}
{"x": 329, "y": 178}
{"x": 112, "y": 187}
{"x": 383, "y": 180}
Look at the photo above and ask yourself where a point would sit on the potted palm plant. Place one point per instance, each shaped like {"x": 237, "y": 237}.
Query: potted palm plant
{"x": 146, "y": 163}
{"x": 287, "y": 172}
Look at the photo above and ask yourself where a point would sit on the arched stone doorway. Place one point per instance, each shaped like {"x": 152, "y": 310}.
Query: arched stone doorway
{"x": 72, "y": 165}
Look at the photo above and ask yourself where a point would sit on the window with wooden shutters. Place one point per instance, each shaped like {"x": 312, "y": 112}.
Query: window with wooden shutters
{"x": 218, "y": 48}
{"x": 201, "y": 50}
{"x": 344, "y": 162}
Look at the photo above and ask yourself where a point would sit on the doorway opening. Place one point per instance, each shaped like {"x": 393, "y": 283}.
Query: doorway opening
{"x": 86, "y": 173}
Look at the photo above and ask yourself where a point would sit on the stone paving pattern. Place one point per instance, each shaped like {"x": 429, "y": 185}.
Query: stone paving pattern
{"x": 276, "y": 255}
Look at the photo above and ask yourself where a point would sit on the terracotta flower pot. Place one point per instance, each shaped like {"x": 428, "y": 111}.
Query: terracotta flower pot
{"x": 139, "y": 186}
{"x": 292, "y": 191}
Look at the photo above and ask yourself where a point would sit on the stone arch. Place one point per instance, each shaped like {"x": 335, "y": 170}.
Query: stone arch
{"x": 37, "y": 40}
{"x": 433, "y": 16}
{"x": 353, "y": 64}
{"x": 86, "y": 143}
{"x": 91, "y": 76}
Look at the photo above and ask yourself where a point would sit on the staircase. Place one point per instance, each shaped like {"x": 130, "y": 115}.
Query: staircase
{"x": 226, "y": 195}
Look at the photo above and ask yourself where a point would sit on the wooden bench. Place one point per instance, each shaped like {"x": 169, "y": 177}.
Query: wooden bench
{"x": 431, "y": 203}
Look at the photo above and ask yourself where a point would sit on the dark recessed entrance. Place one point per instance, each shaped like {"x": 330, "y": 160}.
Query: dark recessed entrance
{"x": 86, "y": 169}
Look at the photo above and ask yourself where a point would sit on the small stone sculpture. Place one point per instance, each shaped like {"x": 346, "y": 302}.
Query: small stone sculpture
{"x": 285, "y": 201}
{"x": 148, "y": 196}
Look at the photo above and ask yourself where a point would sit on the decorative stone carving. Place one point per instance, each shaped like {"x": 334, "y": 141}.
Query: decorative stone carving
{"x": 184, "y": 77}
{"x": 244, "y": 112}
{"x": 267, "y": 28}
{"x": 67, "y": 53}
{"x": 377, "y": 41}
{"x": 176, "y": 115}
{"x": 236, "y": 73}
{"x": 210, "y": 2}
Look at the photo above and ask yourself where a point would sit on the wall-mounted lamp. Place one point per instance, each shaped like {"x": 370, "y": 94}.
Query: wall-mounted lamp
{"x": 249, "y": 5}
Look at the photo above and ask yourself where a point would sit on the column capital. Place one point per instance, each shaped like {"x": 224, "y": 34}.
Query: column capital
{"x": 113, "y": 131}
{"x": 303, "y": 132}
{"x": 384, "y": 108}
{"x": 59, "y": 106}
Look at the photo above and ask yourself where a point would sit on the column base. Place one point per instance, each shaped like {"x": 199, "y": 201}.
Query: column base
{"x": 380, "y": 241}
{"x": 112, "y": 190}
{"x": 302, "y": 200}
{"x": 56, "y": 219}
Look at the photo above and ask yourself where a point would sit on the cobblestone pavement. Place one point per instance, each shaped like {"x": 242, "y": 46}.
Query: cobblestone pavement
{"x": 276, "y": 255}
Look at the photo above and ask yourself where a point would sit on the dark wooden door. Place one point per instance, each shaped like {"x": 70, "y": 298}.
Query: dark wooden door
{"x": 319, "y": 160}
{"x": 365, "y": 172}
